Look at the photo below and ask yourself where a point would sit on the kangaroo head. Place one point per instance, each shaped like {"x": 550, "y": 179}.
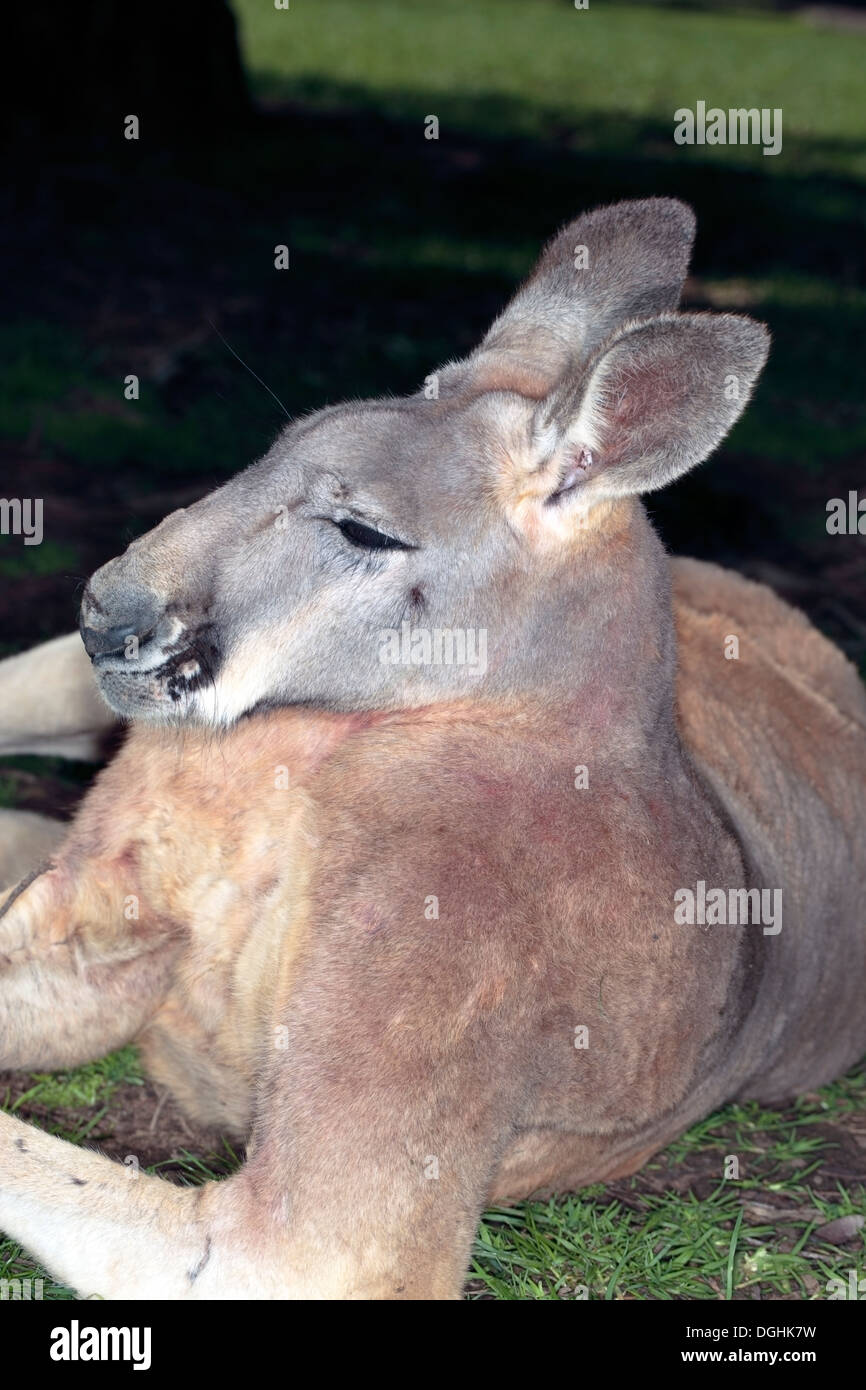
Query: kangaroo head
{"x": 469, "y": 539}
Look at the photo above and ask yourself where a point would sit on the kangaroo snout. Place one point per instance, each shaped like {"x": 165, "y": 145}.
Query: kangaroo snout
{"x": 120, "y": 622}
{"x": 150, "y": 653}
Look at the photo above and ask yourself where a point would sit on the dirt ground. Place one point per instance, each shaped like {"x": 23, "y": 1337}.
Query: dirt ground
{"x": 143, "y": 1120}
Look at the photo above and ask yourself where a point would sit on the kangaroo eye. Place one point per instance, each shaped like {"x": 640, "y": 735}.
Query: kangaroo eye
{"x": 368, "y": 538}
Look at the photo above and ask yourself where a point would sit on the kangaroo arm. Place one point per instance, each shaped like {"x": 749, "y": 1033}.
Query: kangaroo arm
{"x": 49, "y": 703}
{"x": 75, "y": 981}
{"x": 77, "y": 978}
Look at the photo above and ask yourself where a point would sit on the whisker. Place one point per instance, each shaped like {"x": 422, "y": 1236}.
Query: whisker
{"x": 249, "y": 369}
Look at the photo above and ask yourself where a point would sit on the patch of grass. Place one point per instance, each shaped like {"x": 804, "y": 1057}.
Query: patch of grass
{"x": 196, "y": 1168}
{"x": 671, "y": 1247}
{"x": 518, "y": 68}
{"x": 88, "y": 1087}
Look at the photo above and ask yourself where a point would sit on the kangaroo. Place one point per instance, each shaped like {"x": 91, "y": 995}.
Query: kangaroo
{"x": 416, "y": 926}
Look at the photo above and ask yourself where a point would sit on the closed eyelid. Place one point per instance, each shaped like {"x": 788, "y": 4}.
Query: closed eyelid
{"x": 369, "y": 537}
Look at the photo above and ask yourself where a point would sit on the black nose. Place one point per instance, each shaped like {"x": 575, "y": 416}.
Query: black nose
{"x": 106, "y": 631}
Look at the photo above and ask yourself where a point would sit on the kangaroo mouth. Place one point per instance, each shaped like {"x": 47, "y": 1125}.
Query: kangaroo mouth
{"x": 161, "y": 684}
{"x": 183, "y": 673}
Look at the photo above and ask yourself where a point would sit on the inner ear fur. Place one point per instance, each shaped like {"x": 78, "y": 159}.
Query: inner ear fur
{"x": 655, "y": 401}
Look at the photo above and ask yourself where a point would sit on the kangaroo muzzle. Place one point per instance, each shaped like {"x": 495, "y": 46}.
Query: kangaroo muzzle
{"x": 150, "y": 656}
{"x": 124, "y": 620}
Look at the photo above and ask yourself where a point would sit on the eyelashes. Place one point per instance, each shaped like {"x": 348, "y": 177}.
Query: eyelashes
{"x": 368, "y": 538}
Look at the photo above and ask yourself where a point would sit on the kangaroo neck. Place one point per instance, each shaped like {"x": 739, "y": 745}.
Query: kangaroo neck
{"x": 602, "y": 659}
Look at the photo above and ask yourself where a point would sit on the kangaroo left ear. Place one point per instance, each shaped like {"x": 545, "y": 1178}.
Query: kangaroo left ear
{"x": 654, "y": 402}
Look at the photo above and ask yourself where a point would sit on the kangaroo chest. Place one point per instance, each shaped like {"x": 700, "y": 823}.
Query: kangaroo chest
{"x": 229, "y": 852}
{"x": 222, "y": 858}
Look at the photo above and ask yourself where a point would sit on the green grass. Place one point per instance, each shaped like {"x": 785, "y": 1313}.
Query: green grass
{"x": 525, "y": 66}
{"x": 90, "y": 1088}
{"x": 71, "y": 398}
{"x": 18, "y": 560}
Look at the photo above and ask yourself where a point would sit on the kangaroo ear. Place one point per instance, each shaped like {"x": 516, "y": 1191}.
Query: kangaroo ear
{"x": 655, "y": 402}
{"x": 609, "y": 266}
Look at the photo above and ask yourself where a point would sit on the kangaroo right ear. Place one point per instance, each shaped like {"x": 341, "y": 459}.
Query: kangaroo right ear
{"x": 611, "y": 265}
{"x": 656, "y": 401}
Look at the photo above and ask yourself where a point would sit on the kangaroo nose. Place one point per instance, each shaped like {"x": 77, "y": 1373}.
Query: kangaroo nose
{"x": 106, "y": 630}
